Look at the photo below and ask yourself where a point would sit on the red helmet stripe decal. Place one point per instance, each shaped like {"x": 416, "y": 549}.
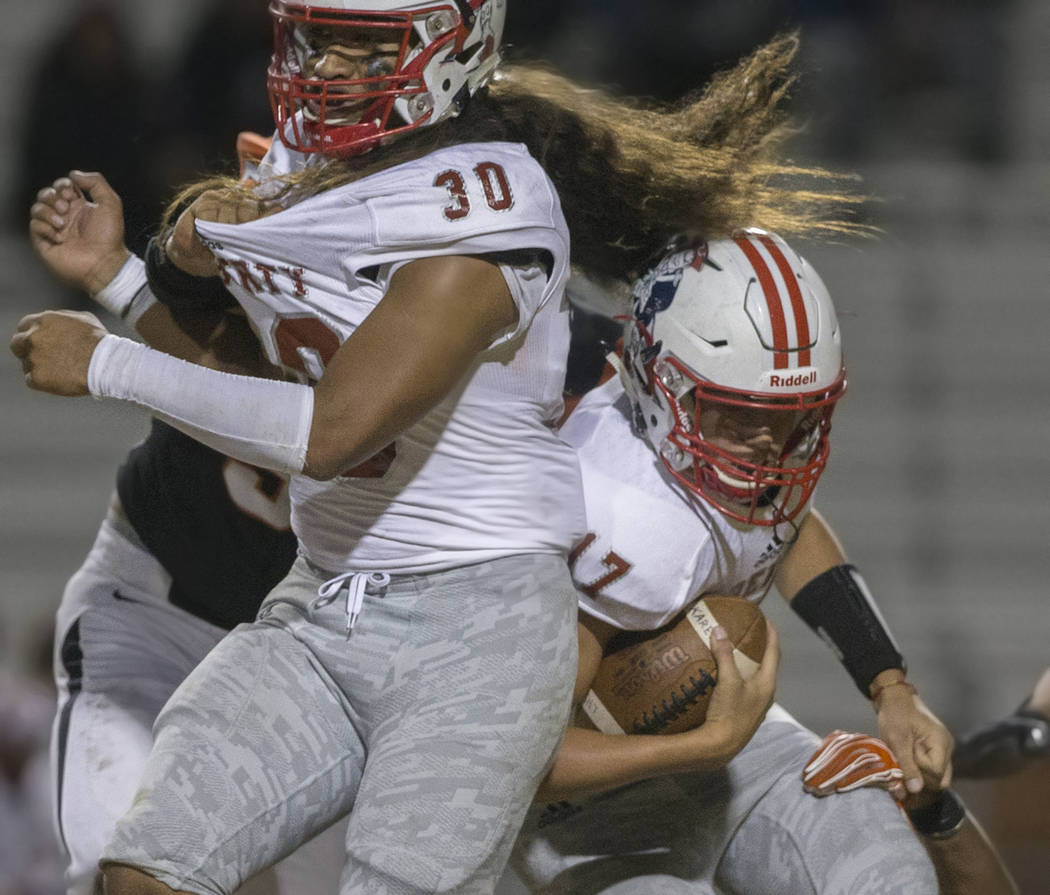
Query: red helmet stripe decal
{"x": 773, "y": 301}
{"x": 798, "y": 307}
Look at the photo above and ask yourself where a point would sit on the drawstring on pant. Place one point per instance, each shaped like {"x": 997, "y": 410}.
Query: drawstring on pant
{"x": 356, "y": 585}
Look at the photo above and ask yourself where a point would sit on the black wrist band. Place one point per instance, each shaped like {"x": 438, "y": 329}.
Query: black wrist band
{"x": 179, "y": 290}
{"x": 941, "y": 819}
{"x": 836, "y": 604}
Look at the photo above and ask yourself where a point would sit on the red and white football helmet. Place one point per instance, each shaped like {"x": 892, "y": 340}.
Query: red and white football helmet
{"x": 739, "y": 337}
{"x": 447, "y": 50}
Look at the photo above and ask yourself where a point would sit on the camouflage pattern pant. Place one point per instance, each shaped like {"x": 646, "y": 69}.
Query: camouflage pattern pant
{"x": 431, "y": 723}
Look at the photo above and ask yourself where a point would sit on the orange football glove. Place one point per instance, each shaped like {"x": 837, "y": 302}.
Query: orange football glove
{"x": 848, "y": 761}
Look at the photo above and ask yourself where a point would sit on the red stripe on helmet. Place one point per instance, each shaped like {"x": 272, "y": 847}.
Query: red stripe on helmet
{"x": 795, "y": 294}
{"x": 773, "y": 301}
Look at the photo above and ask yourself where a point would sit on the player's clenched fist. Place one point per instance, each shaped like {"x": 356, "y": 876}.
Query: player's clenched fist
{"x": 184, "y": 247}
{"x": 55, "y": 348}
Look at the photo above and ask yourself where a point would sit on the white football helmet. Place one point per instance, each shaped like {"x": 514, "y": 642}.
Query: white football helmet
{"x": 738, "y": 337}
{"x": 447, "y": 50}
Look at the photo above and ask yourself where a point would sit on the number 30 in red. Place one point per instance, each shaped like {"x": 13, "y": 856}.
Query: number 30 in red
{"x": 494, "y": 184}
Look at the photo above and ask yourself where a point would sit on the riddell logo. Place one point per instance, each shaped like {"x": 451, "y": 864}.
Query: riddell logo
{"x": 779, "y": 380}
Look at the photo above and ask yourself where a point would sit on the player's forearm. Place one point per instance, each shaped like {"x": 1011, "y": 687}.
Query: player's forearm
{"x": 832, "y": 598}
{"x": 816, "y": 550}
{"x": 255, "y": 420}
{"x": 591, "y": 762}
{"x": 275, "y": 425}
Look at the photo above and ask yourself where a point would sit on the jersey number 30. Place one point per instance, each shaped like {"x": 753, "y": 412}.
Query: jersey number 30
{"x": 494, "y": 184}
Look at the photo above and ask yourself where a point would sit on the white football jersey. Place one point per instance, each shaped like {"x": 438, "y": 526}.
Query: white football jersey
{"x": 652, "y": 547}
{"x": 482, "y": 475}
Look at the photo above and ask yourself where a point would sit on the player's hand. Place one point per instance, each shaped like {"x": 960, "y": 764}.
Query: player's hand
{"x": 922, "y": 744}
{"x": 738, "y": 706}
{"x": 55, "y": 348}
{"x": 184, "y": 247}
{"x": 848, "y": 761}
{"x": 76, "y": 227}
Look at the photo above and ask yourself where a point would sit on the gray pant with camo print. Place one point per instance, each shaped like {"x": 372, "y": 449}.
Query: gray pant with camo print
{"x": 431, "y": 724}
{"x": 749, "y": 829}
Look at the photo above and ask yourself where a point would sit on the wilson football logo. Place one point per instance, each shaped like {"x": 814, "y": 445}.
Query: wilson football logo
{"x": 646, "y": 673}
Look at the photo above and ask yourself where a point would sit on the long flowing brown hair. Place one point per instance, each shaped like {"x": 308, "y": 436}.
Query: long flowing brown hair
{"x": 631, "y": 174}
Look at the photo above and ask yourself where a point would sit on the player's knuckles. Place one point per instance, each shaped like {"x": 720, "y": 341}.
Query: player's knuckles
{"x": 41, "y": 230}
{"x": 41, "y": 211}
{"x": 19, "y": 349}
{"x": 27, "y": 323}
{"x": 198, "y": 211}
{"x": 243, "y": 211}
{"x": 255, "y": 209}
{"x": 900, "y": 741}
{"x": 933, "y": 762}
{"x": 41, "y": 224}
{"x": 211, "y": 206}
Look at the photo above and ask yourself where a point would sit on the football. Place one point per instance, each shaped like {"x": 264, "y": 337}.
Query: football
{"x": 660, "y": 681}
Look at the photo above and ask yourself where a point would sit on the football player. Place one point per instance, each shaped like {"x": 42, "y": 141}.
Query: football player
{"x": 402, "y": 251}
{"x": 699, "y": 464}
{"x": 191, "y": 542}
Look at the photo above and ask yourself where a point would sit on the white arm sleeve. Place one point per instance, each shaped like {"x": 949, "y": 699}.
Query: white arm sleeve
{"x": 263, "y": 422}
